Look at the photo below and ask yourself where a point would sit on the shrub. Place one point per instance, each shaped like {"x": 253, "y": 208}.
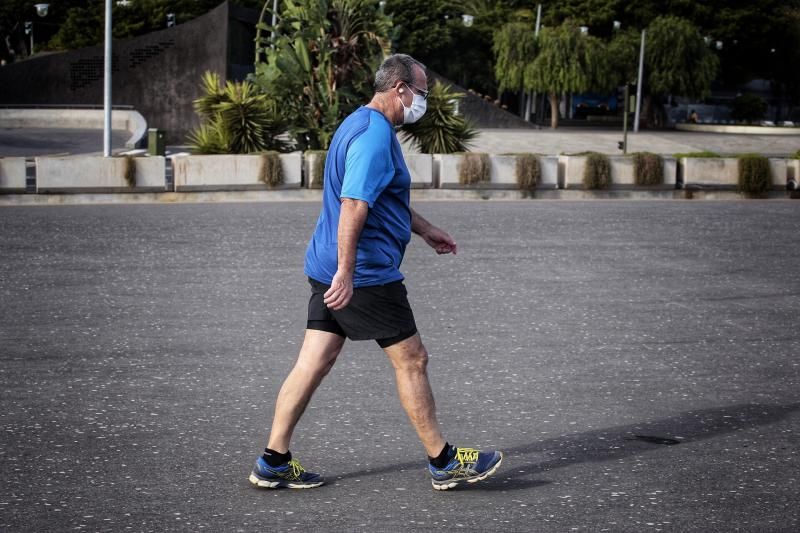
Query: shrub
{"x": 440, "y": 130}
{"x": 235, "y": 119}
{"x": 748, "y": 107}
{"x": 270, "y": 172}
{"x": 475, "y": 168}
{"x": 129, "y": 171}
{"x": 528, "y": 171}
{"x": 796, "y": 155}
{"x": 316, "y": 170}
{"x": 755, "y": 175}
{"x": 597, "y": 173}
{"x": 696, "y": 154}
{"x": 648, "y": 169}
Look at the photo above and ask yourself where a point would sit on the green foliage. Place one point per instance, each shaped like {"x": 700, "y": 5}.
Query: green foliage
{"x": 528, "y": 171}
{"x": 748, "y": 107}
{"x": 514, "y": 46}
{"x": 235, "y": 119}
{"x": 320, "y": 65}
{"x": 648, "y": 169}
{"x": 705, "y": 154}
{"x": 440, "y": 130}
{"x": 755, "y": 175}
{"x": 623, "y": 56}
{"x": 597, "y": 172}
{"x": 796, "y": 155}
{"x": 271, "y": 171}
{"x": 129, "y": 172}
{"x": 678, "y": 59}
{"x": 474, "y": 168}
{"x": 316, "y": 168}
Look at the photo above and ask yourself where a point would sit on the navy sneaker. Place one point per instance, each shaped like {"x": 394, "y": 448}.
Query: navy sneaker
{"x": 289, "y": 474}
{"x": 467, "y": 464}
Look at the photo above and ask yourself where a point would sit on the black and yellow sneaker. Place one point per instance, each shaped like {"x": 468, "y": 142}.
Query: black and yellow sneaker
{"x": 290, "y": 474}
{"x": 466, "y": 465}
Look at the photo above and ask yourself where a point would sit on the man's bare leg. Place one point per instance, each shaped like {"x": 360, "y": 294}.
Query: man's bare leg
{"x": 317, "y": 356}
{"x": 410, "y": 360}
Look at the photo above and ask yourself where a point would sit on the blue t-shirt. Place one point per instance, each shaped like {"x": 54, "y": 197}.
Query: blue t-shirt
{"x": 364, "y": 163}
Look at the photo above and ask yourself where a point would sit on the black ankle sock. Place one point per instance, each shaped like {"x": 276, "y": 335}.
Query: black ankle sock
{"x": 274, "y": 458}
{"x": 441, "y": 460}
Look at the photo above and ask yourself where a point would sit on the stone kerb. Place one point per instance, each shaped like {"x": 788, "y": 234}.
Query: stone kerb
{"x": 232, "y": 172}
{"x": 502, "y": 170}
{"x": 98, "y": 174}
{"x": 12, "y": 174}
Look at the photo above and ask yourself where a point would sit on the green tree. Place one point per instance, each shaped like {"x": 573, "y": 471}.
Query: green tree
{"x": 514, "y": 48}
{"x": 568, "y": 62}
{"x": 320, "y": 65}
{"x": 678, "y": 61}
{"x": 441, "y": 130}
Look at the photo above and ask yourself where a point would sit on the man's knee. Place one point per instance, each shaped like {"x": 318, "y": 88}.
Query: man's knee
{"x": 415, "y": 358}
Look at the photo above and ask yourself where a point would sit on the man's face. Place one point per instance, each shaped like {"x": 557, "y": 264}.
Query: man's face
{"x": 419, "y": 86}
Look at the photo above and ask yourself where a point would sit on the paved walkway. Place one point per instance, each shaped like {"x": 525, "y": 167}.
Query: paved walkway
{"x": 29, "y": 142}
{"x": 142, "y": 347}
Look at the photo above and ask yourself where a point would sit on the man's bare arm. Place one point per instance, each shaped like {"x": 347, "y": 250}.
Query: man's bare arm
{"x": 352, "y": 216}
{"x": 436, "y": 238}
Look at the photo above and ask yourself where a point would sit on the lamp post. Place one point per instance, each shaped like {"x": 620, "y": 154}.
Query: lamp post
{"x": 41, "y": 10}
{"x": 107, "y": 85}
{"x": 639, "y": 84}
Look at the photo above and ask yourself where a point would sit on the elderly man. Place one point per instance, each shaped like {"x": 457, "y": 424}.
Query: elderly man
{"x": 357, "y": 290}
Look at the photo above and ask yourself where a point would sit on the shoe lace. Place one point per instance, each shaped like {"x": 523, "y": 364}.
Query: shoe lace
{"x": 466, "y": 455}
{"x": 297, "y": 470}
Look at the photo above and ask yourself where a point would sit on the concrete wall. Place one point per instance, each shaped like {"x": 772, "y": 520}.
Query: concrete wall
{"x": 231, "y": 172}
{"x": 780, "y": 171}
{"x": 724, "y": 172}
{"x": 793, "y": 173}
{"x": 158, "y": 74}
{"x": 420, "y": 166}
{"x": 12, "y": 174}
{"x": 309, "y": 159}
{"x": 121, "y": 119}
{"x": 749, "y": 130}
{"x": 622, "y": 171}
{"x": 98, "y": 174}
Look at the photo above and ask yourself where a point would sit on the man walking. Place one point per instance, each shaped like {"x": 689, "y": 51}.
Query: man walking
{"x": 357, "y": 291}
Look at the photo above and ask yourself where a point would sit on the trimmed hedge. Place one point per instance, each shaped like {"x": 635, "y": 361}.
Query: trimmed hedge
{"x": 474, "y": 168}
{"x": 597, "y": 173}
{"x": 755, "y": 175}
{"x": 697, "y": 154}
{"x": 648, "y": 169}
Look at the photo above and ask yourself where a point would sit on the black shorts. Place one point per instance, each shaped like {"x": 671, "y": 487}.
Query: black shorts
{"x": 380, "y": 312}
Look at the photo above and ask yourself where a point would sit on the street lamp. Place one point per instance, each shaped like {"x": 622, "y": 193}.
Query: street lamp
{"x": 41, "y": 10}
{"x": 467, "y": 20}
{"x": 170, "y": 20}
{"x": 585, "y": 30}
{"x": 617, "y": 25}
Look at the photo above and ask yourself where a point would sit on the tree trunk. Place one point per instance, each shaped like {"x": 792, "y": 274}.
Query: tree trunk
{"x": 647, "y": 111}
{"x": 553, "y": 110}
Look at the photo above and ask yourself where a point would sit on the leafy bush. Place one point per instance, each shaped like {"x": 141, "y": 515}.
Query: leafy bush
{"x": 528, "y": 171}
{"x": 474, "y": 168}
{"x": 648, "y": 169}
{"x": 755, "y": 175}
{"x": 696, "y": 154}
{"x": 316, "y": 168}
{"x": 129, "y": 172}
{"x": 748, "y": 107}
{"x": 440, "y": 130}
{"x": 796, "y": 155}
{"x": 271, "y": 172}
{"x": 235, "y": 119}
{"x": 597, "y": 173}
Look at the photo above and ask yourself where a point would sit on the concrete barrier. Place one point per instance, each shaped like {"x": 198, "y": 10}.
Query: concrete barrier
{"x": 97, "y": 174}
{"x": 231, "y": 172}
{"x": 12, "y": 174}
{"x": 780, "y": 171}
{"x": 311, "y": 158}
{"x": 121, "y": 119}
{"x": 502, "y": 170}
{"x": 740, "y": 129}
{"x": 793, "y": 174}
{"x": 420, "y": 166}
{"x": 716, "y": 172}
{"x": 622, "y": 171}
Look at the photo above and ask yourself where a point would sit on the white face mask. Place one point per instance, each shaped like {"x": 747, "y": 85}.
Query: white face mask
{"x": 418, "y": 107}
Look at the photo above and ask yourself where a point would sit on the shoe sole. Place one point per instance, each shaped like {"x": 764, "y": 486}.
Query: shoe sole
{"x": 447, "y": 485}
{"x": 265, "y": 484}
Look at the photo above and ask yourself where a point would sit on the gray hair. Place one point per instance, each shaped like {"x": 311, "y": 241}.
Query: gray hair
{"x": 397, "y": 67}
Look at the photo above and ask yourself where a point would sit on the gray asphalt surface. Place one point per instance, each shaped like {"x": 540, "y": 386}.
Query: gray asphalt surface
{"x": 142, "y": 347}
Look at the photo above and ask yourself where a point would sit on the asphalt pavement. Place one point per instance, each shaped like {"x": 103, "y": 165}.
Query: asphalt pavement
{"x": 636, "y": 361}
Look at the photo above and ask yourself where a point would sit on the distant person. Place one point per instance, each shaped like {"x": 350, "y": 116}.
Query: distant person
{"x": 357, "y": 291}
{"x": 693, "y": 118}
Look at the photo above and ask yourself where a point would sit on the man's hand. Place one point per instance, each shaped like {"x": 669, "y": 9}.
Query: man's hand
{"x": 439, "y": 240}
{"x": 338, "y": 296}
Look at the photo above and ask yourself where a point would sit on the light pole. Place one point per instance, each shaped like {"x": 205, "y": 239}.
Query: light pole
{"x": 41, "y": 10}
{"x": 639, "y": 84}
{"x": 107, "y": 85}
